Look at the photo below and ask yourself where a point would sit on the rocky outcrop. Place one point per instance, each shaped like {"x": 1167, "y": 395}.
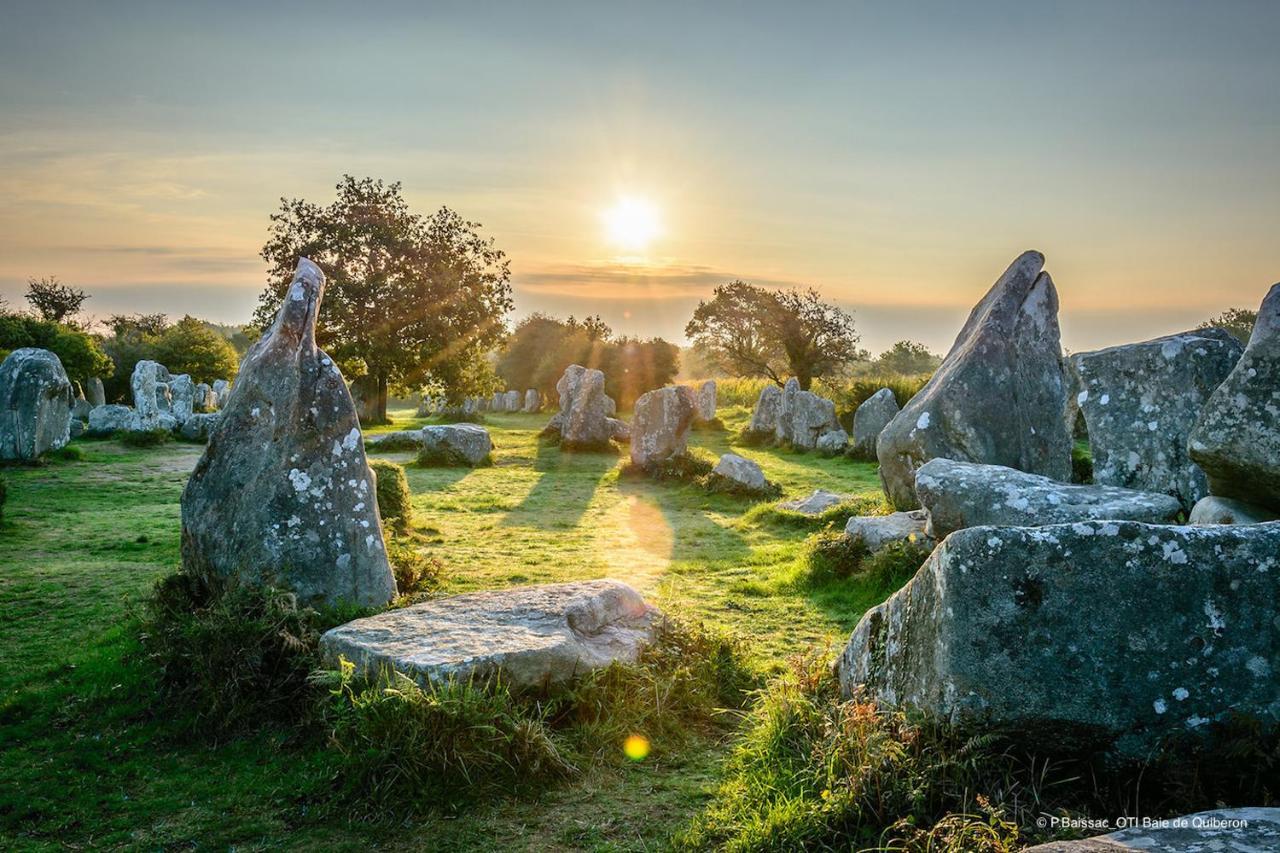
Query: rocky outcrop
{"x": 998, "y": 396}
{"x": 813, "y": 504}
{"x": 965, "y": 494}
{"x": 764, "y": 418}
{"x": 1247, "y": 830}
{"x": 706, "y": 402}
{"x": 877, "y": 532}
{"x": 283, "y": 494}
{"x": 455, "y": 444}
{"x": 35, "y": 404}
{"x": 1216, "y": 510}
{"x": 583, "y": 420}
{"x": 660, "y": 425}
{"x": 1117, "y": 633}
{"x": 529, "y": 636}
{"x": 1140, "y": 403}
{"x": 1237, "y": 438}
{"x": 869, "y": 419}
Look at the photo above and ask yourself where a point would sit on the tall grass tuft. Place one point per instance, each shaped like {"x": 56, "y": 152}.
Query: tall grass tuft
{"x": 414, "y": 572}
{"x": 834, "y": 556}
{"x": 144, "y": 437}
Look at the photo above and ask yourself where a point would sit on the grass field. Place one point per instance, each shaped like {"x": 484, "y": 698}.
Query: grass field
{"x": 85, "y": 762}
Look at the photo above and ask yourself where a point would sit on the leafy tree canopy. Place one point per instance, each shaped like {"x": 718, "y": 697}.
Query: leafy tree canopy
{"x": 906, "y": 358}
{"x": 418, "y": 299}
{"x": 53, "y": 300}
{"x": 1238, "y": 321}
{"x": 190, "y": 346}
{"x": 79, "y": 352}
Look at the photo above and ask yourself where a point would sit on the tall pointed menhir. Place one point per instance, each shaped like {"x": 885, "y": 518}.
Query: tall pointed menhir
{"x": 283, "y": 494}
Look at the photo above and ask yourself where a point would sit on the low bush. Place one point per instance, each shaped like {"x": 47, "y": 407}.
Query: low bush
{"x": 832, "y": 556}
{"x": 144, "y": 437}
{"x": 414, "y": 572}
{"x": 835, "y": 516}
{"x": 713, "y": 425}
{"x": 68, "y": 453}
{"x": 813, "y": 770}
{"x": 233, "y": 658}
{"x": 751, "y": 438}
{"x": 394, "y": 501}
{"x": 684, "y": 467}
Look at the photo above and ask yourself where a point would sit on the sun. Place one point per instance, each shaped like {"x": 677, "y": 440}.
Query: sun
{"x": 632, "y": 223}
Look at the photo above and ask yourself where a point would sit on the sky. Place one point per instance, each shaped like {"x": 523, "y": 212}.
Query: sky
{"x": 895, "y": 156}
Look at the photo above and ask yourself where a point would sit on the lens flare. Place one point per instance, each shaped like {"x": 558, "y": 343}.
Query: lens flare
{"x": 636, "y": 747}
{"x": 632, "y": 223}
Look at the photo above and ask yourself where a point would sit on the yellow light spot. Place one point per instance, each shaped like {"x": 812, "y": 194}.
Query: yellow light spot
{"x": 636, "y": 747}
{"x": 632, "y": 223}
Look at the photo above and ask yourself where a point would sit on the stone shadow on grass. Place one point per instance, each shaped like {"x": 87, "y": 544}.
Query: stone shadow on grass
{"x": 694, "y": 536}
{"x": 568, "y": 481}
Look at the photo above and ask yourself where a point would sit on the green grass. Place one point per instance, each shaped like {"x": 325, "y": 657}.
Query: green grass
{"x": 86, "y": 761}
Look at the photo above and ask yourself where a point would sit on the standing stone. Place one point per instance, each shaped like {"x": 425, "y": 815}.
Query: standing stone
{"x": 764, "y": 418}
{"x": 498, "y": 401}
{"x": 532, "y": 402}
{"x": 513, "y": 402}
{"x": 182, "y": 392}
{"x": 1237, "y": 439}
{"x": 110, "y": 419}
{"x": 455, "y": 444}
{"x": 1140, "y": 403}
{"x": 833, "y": 442}
{"x": 783, "y": 431}
{"x": 706, "y": 410}
{"x": 1118, "y": 632}
{"x": 80, "y": 409}
{"x": 151, "y": 397}
{"x": 221, "y": 388}
{"x": 583, "y": 419}
{"x": 35, "y": 404}
{"x": 610, "y": 406}
{"x": 999, "y": 395}
{"x": 283, "y": 494}
{"x": 872, "y": 416}
{"x": 660, "y": 427}
{"x": 965, "y": 494}
{"x": 810, "y": 418}
{"x": 94, "y": 392}
{"x": 198, "y": 426}
{"x": 205, "y": 400}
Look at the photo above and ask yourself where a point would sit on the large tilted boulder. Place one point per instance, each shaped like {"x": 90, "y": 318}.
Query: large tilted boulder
{"x": 1114, "y": 632}
{"x": 966, "y": 494}
{"x": 660, "y": 425}
{"x": 804, "y": 418}
{"x": 529, "y": 636}
{"x": 706, "y": 403}
{"x": 1237, "y": 439}
{"x": 1216, "y": 510}
{"x": 869, "y": 419}
{"x": 456, "y": 444}
{"x": 152, "y": 400}
{"x": 35, "y": 404}
{"x": 110, "y": 419}
{"x": 283, "y": 494}
{"x": 813, "y": 504}
{"x": 998, "y": 396}
{"x": 735, "y": 473}
{"x": 583, "y": 420}
{"x": 764, "y": 418}
{"x": 1246, "y": 830}
{"x": 1140, "y": 403}
{"x": 532, "y": 402}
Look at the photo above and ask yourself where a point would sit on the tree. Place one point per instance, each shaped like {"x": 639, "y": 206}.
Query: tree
{"x": 53, "y": 300}
{"x": 79, "y": 352}
{"x": 418, "y": 300}
{"x": 1238, "y": 321}
{"x": 906, "y": 358}
{"x": 750, "y": 331}
{"x": 190, "y": 346}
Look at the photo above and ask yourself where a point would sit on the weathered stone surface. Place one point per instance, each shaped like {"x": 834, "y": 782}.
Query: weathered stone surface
{"x": 804, "y": 417}
{"x": 80, "y": 409}
{"x": 221, "y": 388}
{"x": 786, "y": 406}
{"x": 878, "y": 531}
{"x": 743, "y": 473}
{"x": 966, "y": 494}
{"x": 814, "y": 504}
{"x": 399, "y": 439}
{"x": 512, "y": 402}
{"x": 1237, "y": 438}
{"x": 109, "y": 419}
{"x": 35, "y": 404}
{"x": 660, "y": 425}
{"x": 1115, "y": 632}
{"x": 532, "y": 402}
{"x": 610, "y": 406}
{"x": 706, "y": 403}
{"x": 94, "y": 392}
{"x": 78, "y": 428}
{"x": 584, "y": 410}
{"x": 832, "y": 443}
{"x": 182, "y": 394}
{"x": 198, "y": 426}
{"x": 619, "y": 430}
{"x": 1216, "y": 510}
{"x": 531, "y": 635}
{"x": 1140, "y": 403}
{"x": 998, "y": 396}
{"x": 283, "y": 494}
{"x": 460, "y": 444}
{"x": 764, "y": 418}
{"x": 151, "y": 397}
{"x": 1247, "y": 830}
{"x": 872, "y": 416}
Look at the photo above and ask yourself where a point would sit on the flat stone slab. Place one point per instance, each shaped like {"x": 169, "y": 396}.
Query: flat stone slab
{"x": 814, "y": 504}
{"x": 1216, "y": 510}
{"x": 531, "y": 636}
{"x": 877, "y": 532}
{"x": 1248, "y": 830}
{"x": 966, "y": 494}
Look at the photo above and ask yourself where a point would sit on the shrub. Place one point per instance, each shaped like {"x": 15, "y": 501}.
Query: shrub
{"x": 68, "y": 453}
{"x": 144, "y": 437}
{"x": 1081, "y": 462}
{"x": 751, "y": 438}
{"x": 414, "y": 573}
{"x": 394, "y": 501}
{"x": 832, "y": 555}
{"x": 231, "y": 658}
{"x": 684, "y": 467}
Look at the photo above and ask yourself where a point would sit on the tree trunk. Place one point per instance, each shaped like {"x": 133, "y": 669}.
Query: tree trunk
{"x": 382, "y": 399}
{"x": 805, "y": 380}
